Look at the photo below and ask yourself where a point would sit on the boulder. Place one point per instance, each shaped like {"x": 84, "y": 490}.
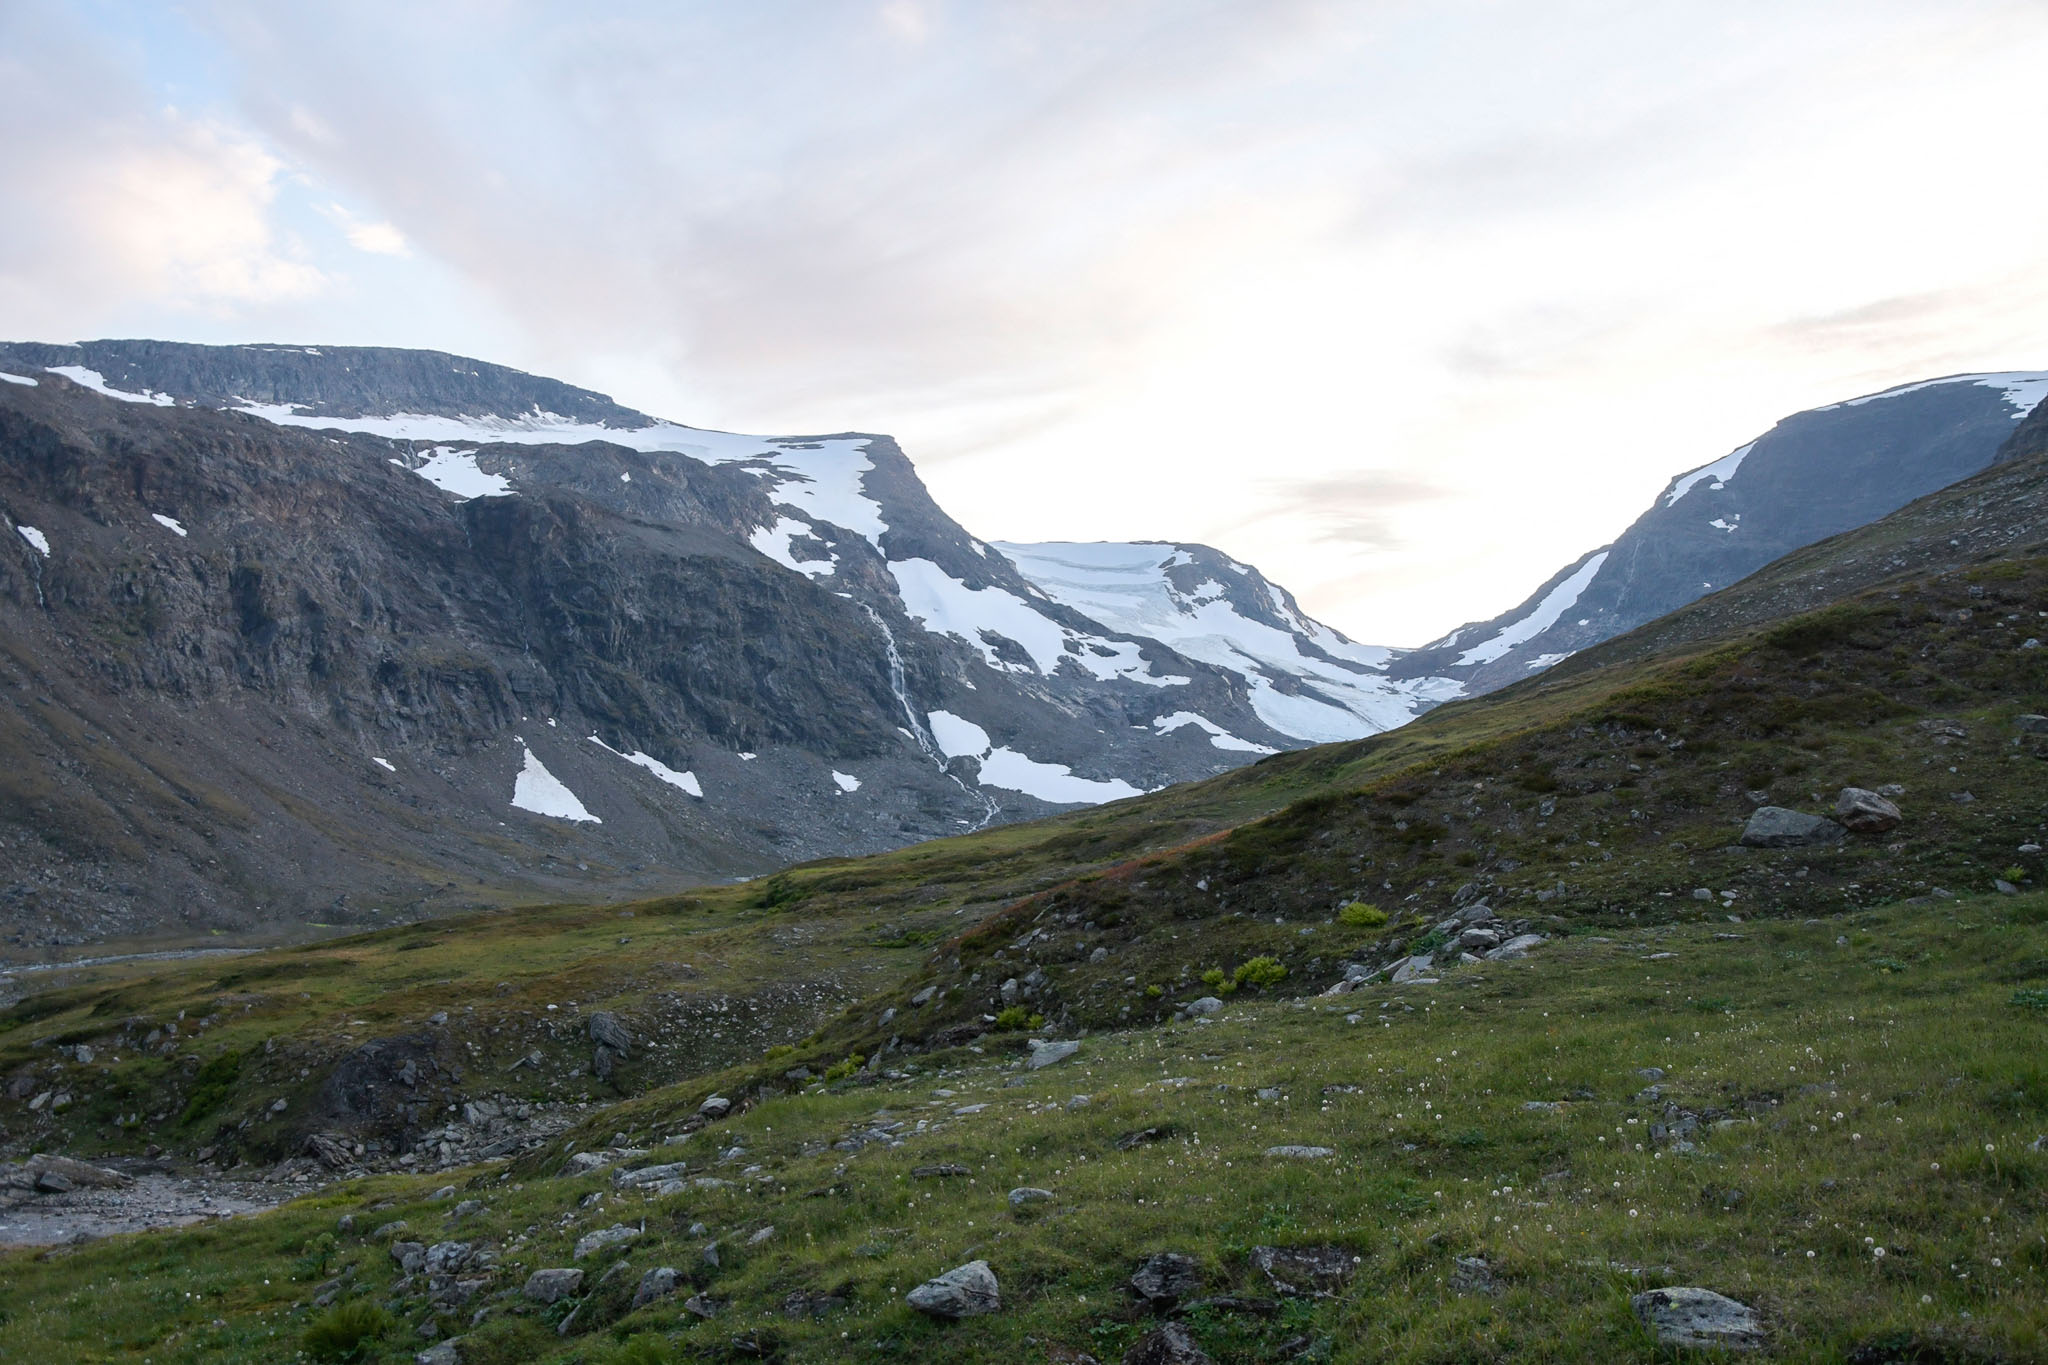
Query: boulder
{"x": 1025, "y": 1195}
{"x": 1518, "y": 946}
{"x": 1167, "y": 1277}
{"x": 1698, "y": 1318}
{"x": 703, "y": 1306}
{"x": 607, "y": 1032}
{"x": 650, "y": 1175}
{"x": 547, "y": 1286}
{"x": 657, "y": 1283}
{"x": 2034, "y": 725}
{"x": 1046, "y": 1054}
{"x": 962, "y": 1292}
{"x": 410, "y": 1256}
{"x": 1779, "y": 827}
{"x": 445, "y": 1258}
{"x": 717, "y": 1107}
{"x": 615, "y": 1235}
{"x": 1207, "y": 1004}
{"x": 1412, "y": 969}
{"x": 79, "y": 1173}
{"x": 1865, "y": 812}
{"x": 1167, "y": 1345}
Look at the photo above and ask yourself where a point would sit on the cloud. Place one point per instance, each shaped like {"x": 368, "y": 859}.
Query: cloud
{"x": 378, "y": 238}
{"x": 106, "y": 199}
{"x": 1364, "y": 509}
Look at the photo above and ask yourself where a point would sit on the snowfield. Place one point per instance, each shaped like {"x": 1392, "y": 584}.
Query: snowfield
{"x": 540, "y": 791}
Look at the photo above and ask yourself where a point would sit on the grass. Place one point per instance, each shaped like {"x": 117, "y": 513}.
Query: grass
{"x": 1844, "y": 1109}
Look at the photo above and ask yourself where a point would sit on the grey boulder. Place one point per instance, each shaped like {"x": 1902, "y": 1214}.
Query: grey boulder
{"x": 1046, "y": 1054}
{"x": 1698, "y": 1318}
{"x": 1168, "y": 1345}
{"x": 1779, "y": 827}
{"x": 1166, "y": 1278}
{"x": 657, "y": 1283}
{"x": 963, "y": 1292}
{"x": 547, "y": 1286}
{"x": 1865, "y": 812}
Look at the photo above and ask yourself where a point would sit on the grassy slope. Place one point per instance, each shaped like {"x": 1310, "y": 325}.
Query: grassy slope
{"x": 1876, "y": 1078}
{"x": 1592, "y": 800}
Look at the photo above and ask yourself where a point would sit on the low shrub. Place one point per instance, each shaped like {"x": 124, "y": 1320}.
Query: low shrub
{"x": 345, "y": 1331}
{"x": 1359, "y": 915}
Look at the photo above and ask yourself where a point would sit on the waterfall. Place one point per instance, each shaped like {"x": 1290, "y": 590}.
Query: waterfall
{"x": 990, "y": 807}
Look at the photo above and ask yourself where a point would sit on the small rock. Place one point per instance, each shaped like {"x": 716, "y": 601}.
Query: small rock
{"x": 1099, "y": 955}
{"x": 763, "y": 1235}
{"x": 717, "y": 1107}
{"x": 963, "y": 1292}
{"x": 2034, "y": 725}
{"x": 657, "y": 1283}
{"x": 583, "y": 1163}
{"x": 1207, "y": 1004}
{"x": 1473, "y": 1275}
{"x": 924, "y": 997}
{"x": 1166, "y": 1278}
{"x": 943, "y": 1171}
{"x": 1780, "y": 827}
{"x": 1167, "y": 1345}
{"x": 440, "y": 1353}
{"x": 1698, "y": 1318}
{"x": 445, "y": 1258}
{"x": 1297, "y": 1153}
{"x": 410, "y": 1256}
{"x": 53, "y": 1182}
{"x": 547, "y": 1286}
{"x": 1518, "y": 946}
{"x": 1316, "y": 1271}
{"x": 616, "y": 1235}
{"x": 1865, "y": 812}
{"x": 1412, "y": 969}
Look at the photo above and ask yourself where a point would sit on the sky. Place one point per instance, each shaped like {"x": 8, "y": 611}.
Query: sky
{"x": 1408, "y": 304}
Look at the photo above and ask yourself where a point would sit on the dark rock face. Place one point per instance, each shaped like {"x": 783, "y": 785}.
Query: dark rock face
{"x": 256, "y": 672}
{"x": 1814, "y": 475}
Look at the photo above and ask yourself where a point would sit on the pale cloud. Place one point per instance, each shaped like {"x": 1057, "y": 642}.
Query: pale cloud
{"x": 1407, "y": 302}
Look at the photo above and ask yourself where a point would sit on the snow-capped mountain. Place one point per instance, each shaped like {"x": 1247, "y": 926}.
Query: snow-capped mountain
{"x": 450, "y": 633}
{"x": 1813, "y": 475}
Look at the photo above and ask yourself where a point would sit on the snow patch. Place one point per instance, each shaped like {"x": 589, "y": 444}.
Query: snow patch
{"x": 1218, "y": 736}
{"x": 35, "y": 538}
{"x": 384, "y": 763}
{"x": 1554, "y": 604}
{"x": 1052, "y": 782}
{"x": 748, "y": 758}
{"x": 18, "y": 379}
{"x": 91, "y": 379}
{"x": 847, "y": 782}
{"x": 455, "y": 471}
{"x": 776, "y": 542}
{"x": 2021, "y": 388}
{"x": 169, "y": 524}
{"x": 1719, "y": 525}
{"x": 1720, "y": 471}
{"x": 540, "y": 791}
{"x": 957, "y": 737}
{"x": 683, "y": 781}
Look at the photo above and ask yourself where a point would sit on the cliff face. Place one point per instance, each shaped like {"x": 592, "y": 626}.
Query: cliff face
{"x": 301, "y": 634}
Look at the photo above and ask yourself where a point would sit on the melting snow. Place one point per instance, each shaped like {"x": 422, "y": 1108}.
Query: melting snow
{"x": 1719, "y": 525}
{"x": 957, "y": 738}
{"x": 385, "y": 764}
{"x": 1218, "y": 736}
{"x": 168, "y": 523}
{"x": 455, "y": 471}
{"x": 748, "y": 758}
{"x": 947, "y": 606}
{"x": 1054, "y": 782}
{"x": 540, "y": 791}
{"x": 1546, "y": 660}
{"x": 91, "y": 379}
{"x": 1006, "y": 768}
{"x": 1554, "y": 604}
{"x": 35, "y": 538}
{"x": 683, "y": 781}
{"x": 1126, "y": 587}
{"x": 625, "y": 478}
{"x": 775, "y": 542}
{"x": 18, "y": 379}
{"x": 1720, "y": 471}
{"x": 847, "y": 781}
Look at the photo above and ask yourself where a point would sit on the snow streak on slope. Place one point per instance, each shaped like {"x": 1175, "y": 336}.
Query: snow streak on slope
{"x": 1339, "y": 691}
{"x": 1720, "y": 471}
{"x": 91, "y": 379}
{"x": 684, "y": 781}
{"x": 1554, "y": 604}
{"x": 1218, "y": 736}
{"x": 540, "y": 791}
{"x": 2021, "y": 388}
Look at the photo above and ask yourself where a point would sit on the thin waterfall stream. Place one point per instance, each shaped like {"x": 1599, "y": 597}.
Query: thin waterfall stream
{"x": 898, "y": 684}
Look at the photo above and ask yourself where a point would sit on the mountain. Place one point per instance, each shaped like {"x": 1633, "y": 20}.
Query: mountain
{"x": 341, "y": 634}
{"x": 1813, "y": 475}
